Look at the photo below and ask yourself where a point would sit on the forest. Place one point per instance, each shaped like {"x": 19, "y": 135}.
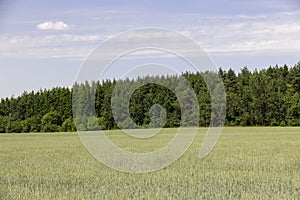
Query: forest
{"x": 266, "y": 97}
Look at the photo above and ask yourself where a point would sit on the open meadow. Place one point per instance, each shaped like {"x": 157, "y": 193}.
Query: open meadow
{"x": 246, "y": 163}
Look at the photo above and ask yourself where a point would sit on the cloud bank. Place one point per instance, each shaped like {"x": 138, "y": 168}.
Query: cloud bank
{"x": 226, "y": 34}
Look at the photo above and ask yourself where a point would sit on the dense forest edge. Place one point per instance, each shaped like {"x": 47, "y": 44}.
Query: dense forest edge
{"x": 267, "y": 97}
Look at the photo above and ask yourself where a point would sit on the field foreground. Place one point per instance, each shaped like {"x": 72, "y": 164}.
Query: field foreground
{"x": 246, "y": 163}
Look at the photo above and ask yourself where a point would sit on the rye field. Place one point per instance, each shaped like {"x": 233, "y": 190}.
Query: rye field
{"x": 246, "y": 163}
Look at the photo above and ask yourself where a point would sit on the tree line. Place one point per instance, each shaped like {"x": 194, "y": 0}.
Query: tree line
{"x": 267, "y": 97}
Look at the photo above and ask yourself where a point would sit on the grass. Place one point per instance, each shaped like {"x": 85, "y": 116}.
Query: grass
{"x": 246, "y": 163}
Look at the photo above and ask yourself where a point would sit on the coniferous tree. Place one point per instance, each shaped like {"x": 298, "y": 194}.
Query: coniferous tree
{"x": 267, "y": 97}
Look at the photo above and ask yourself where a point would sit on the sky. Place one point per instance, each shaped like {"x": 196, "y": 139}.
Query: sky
{"x": 44, "y": 43}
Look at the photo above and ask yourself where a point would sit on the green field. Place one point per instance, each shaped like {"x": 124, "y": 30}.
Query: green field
{"x": 246, "y": 163}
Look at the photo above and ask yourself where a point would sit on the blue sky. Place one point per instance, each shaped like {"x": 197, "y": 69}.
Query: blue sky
{"x": 43, "y": 43}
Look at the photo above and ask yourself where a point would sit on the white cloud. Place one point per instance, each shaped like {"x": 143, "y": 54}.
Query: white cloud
{"x": 59, "y": 26}
{"x": 45, "y": 46}
{"x": 275, "y": 33}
